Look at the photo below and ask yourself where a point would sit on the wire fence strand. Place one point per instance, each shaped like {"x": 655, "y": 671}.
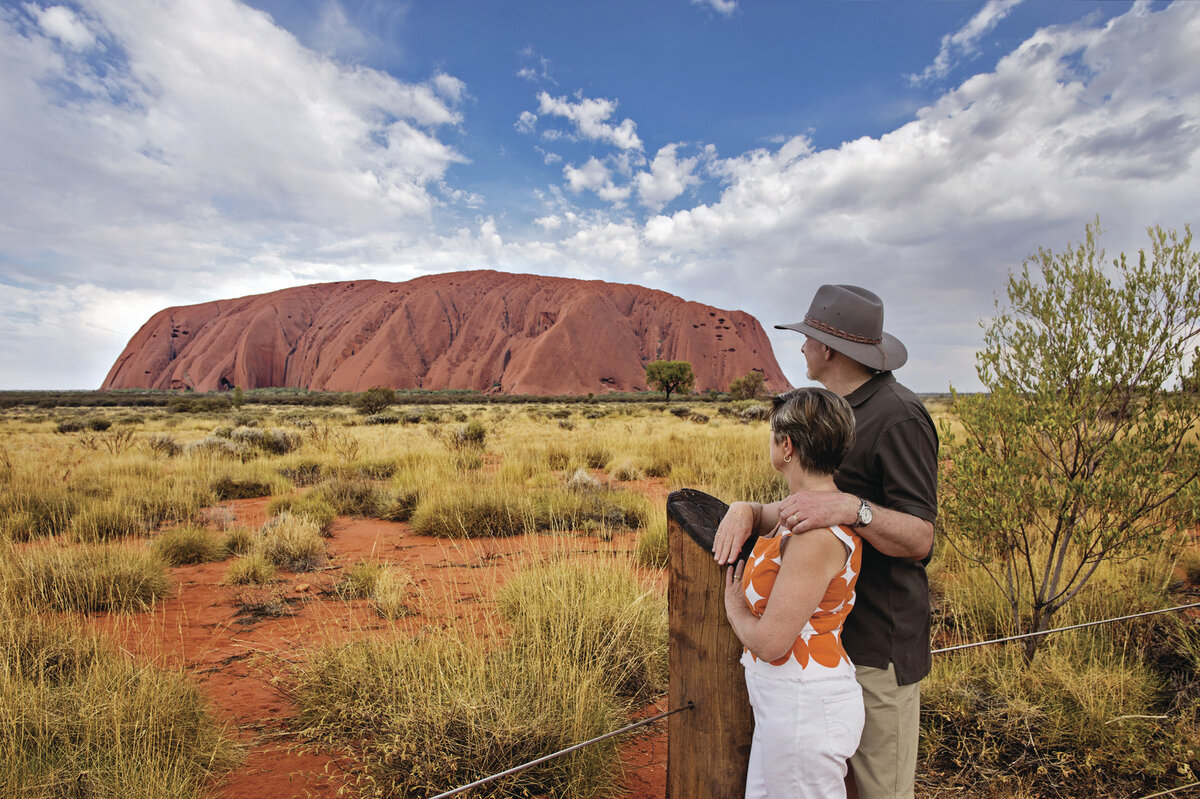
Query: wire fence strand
{"x": 1063, "y": 629}
{"x": 561, "y": 752}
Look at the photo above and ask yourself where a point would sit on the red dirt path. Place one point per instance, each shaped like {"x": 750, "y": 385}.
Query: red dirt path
{"x": 236, "y": 656}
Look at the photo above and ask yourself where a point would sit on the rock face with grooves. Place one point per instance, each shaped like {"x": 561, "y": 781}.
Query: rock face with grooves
{"x": 488, "y": 331}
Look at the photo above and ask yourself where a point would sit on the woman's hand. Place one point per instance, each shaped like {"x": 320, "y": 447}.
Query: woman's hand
{"x": 735, "y": 595}
{"x": 737, "y": 525}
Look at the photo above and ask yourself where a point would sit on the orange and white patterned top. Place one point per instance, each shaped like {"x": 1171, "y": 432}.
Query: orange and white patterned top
{"x": 819, "y": 646}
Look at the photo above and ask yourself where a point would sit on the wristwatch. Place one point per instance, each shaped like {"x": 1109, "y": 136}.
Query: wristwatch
{"x": 864, "y": 514}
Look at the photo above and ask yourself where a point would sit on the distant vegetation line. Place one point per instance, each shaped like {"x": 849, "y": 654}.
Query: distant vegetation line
{"x": 190, "y": 401}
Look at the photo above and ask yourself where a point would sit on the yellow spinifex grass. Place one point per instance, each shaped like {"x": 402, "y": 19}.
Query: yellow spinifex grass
{"x": 446, "y": 708}
{"x": 79, "y": 717}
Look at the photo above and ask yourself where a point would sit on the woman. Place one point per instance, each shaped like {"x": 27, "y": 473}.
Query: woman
{"x": 787, "y": 605}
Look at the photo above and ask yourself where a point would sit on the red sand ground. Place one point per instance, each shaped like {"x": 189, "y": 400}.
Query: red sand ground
{"x": 236, "y": 657}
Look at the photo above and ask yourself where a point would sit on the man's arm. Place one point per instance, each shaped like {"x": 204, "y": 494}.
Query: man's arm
{"x": 893, "y": 533}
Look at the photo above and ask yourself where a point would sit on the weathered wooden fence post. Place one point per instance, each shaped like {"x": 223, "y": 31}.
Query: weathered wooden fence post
{"x": 708, "y": 747}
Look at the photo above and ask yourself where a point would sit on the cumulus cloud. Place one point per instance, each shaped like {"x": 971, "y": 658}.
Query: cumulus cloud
{"x": 963, "y": 41}
{"x": 188, "y": 132}
{"x": 669, "y": 177}
{"x": 590, "y": 118}
{"x": 526, "y": 122}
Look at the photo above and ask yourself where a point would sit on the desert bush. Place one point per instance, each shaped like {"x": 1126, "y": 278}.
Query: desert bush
{"x": 382, "y": 418}
{"x": 652, "y": 548}
{"x": 98, "y": 423}
{"x": 226, "y": 488}
{"x": 215, "y": 447}
{"x": 598, "y": 614}
{"x": 238, "y": 541}
{"x": 351, "y": 496}
{"x": 291, "y": 542}
{"x": 437, "y": 712}
{"x": 582, "y": 481}
{"x": 624, "y": 471}
{"x": 308, "y": 506}
{"x": 81, "y": 719}
{"x": 304, "y": 472}
{"x": 399, "y": 504}
{"x": 86, "y": 577}
{"x": 273, "y": 442}
{"x": 106, "y": 520}
{"x": 472, "y": 434}
{"x": 359, "y": 580}
{"x": 754, "y": 413}
{"x": 36, "y": 508}
{"x": 375, "y": 470}
{"x": 72, "y": 424}
{"x": 184, "y": 546}
{"x": 374, "y": 400}
{"x": 595, "y": 457}
{"x": 475, "y": 511}
{"x": 390, "y": 593}
{"x": 163, "y": 445}
{"x": 253, "y": 569}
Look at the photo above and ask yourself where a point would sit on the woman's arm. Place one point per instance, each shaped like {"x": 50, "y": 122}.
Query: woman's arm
{"x": 810, "y": 562}
{"x": 742, "y": 520}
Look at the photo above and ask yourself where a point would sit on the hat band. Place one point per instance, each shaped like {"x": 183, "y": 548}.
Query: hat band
{"x": 833, "y": 331}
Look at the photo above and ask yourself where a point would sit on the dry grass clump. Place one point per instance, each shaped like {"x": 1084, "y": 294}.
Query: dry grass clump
{"x": 238, "y": 541}
{"x": 185, "y": 546}
{"x": 391, "y": 593}
{"x": 106, "y": 520}
{"x": 33, "y": 507}
{"x": 652, "y": 547}
{"x": 226, "y": 488}
{"x": 353, "y": 496}
{"x": 309, "y": 506}
{"x": 85, "y": 577}
{"x": 291, "y": 542}
{"x": 594, "y": 615}
{"x": 79, "y": 719}
{"x": 430, "y": 714}
{"x": 358, "y": 582}
{"x": 253, "y": 569}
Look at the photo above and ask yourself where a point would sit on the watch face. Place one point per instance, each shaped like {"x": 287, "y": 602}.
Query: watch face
{"x": 864, "y": 513}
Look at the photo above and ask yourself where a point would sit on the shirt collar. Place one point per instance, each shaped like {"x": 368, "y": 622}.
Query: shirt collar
{"x": 864, "y": 392}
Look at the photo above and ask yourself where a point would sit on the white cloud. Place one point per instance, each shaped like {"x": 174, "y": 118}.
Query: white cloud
{"x": 589, "y": 177}
{"x": 962, "y": 42}
{"x": 669, "y": 177}
{"x": 723, "y": 7}
{"x": 62, "y": 23}
{"x": 590, "y": 118}
{"x": 526, "y": 122}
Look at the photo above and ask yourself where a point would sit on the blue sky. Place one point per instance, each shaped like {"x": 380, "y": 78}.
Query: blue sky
{"x": 734, "y": 152}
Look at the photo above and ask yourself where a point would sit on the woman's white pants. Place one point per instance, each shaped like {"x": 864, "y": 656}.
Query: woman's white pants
{"x": 804, "y": 731}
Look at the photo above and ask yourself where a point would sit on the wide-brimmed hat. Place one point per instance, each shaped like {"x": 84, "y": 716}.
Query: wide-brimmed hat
{"x": 849, "y": 319}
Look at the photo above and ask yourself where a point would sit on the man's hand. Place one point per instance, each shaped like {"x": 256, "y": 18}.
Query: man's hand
{"x": 893, "y": 533}
{"x": 809, "y": 510}
{"x": 736, "y": 527}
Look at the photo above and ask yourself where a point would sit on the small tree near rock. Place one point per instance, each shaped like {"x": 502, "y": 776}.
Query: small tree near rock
{"x": 1082, "y": 450}
{"x": 747, "y": 387}
{"x": 374, "y": 400}
{"x": 670, "y": 377}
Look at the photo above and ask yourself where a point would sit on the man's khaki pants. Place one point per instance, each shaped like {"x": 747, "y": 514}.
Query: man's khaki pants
{"x": 885, "y": 765}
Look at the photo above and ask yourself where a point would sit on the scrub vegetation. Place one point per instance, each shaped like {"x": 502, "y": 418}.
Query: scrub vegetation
{"x": 570, "y": 646}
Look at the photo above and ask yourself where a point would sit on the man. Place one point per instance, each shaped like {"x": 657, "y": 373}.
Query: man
{"x": 888, "y": 491}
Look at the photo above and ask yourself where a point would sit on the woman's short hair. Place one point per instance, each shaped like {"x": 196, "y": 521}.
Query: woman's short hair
{"x": 820, "y": 425}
